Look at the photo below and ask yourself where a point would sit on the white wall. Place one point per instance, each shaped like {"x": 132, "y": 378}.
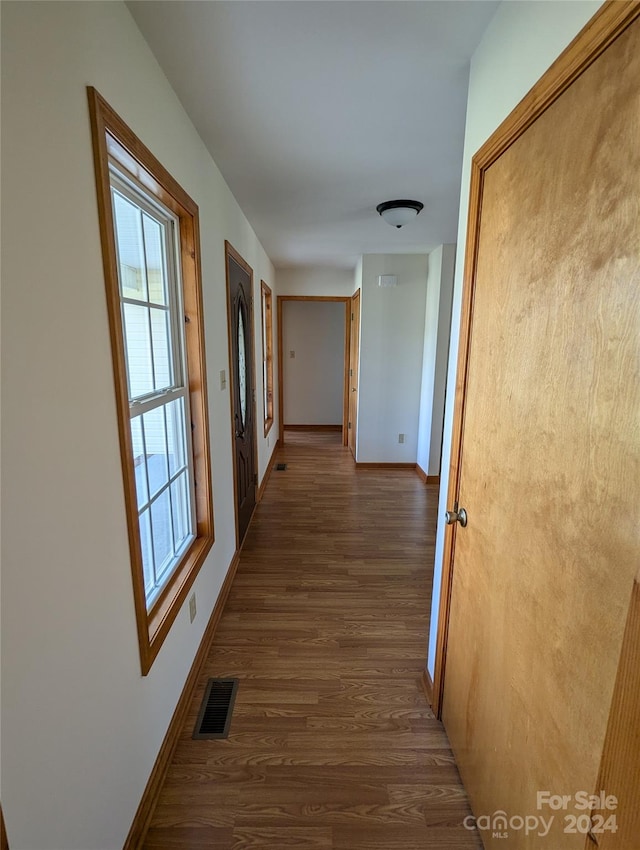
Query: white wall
{"x": 80, "y": 727}
{"x": 314, "y": 378}
{"x": 442, "y": 356}
{"x": 521, "y": 42}
{"x": 314, "y": 280}
{"x": 437, "y": 326}
{"x": 391, "y": 351}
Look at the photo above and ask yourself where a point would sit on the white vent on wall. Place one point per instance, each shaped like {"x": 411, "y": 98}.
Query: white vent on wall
{"x": 387, "y": 280}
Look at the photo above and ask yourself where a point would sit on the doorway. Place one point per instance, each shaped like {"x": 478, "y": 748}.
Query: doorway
{"x": 539, "y": 570}
{"x": 354, "y": 370}
{"x": 306, "y": 376}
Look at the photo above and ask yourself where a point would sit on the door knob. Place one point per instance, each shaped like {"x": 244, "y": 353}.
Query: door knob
{"x": 353, "y": 389}
{"x": 456, "y": 515}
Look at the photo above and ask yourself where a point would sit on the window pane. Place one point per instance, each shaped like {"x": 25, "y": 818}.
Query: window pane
{"x": 161, "y": 348}
{"x": 181, "y": 511}
{"x": 154, "y": 250}
{"x": 242, "y": 368}
{"x": 138, "y": 345}
{"x": 162, "y": 534}
{"x": 133, "y": 282}
{"x": 176, "y": 435}
{"x": 156, "y": 445}
{"x": 265, "y": 389}
{"x": 147, "y": 552}
{"x": 139, "y": 461}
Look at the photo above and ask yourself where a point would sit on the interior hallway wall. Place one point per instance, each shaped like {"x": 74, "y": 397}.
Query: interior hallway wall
{"x": 520, "y": 43}
{"x": 313, "y": 378}
{"x": 314, "y": 280}
{"x": 437, "y": 326}
{"x": 81, "y": 728}
{"x": 391, "y": 353}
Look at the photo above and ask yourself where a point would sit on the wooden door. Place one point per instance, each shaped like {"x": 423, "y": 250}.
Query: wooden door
{"x": 243, "y": 418}
{"x": 549, "y": 470}
{"x": 354, "y": 360}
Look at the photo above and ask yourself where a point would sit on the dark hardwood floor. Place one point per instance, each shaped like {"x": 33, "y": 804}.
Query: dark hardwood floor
{"x": 332, "y": 744}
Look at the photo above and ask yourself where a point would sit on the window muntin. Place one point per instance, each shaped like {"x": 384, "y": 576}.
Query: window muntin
{"x": 151, "y": 305}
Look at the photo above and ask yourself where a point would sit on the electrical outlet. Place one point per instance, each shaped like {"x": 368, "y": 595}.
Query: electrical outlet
{"x": 192, "y": 607}
{"x": 223, "y": 379}
{"x": 401, "y": 438}
{"x": 292, "y": 354}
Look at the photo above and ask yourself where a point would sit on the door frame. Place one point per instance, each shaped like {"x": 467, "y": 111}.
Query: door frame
{"x": 230, "y": 252}
{"x": 601, "y": 30}
{"x": 352, "y": 424}
{"x": 344, "y": 299}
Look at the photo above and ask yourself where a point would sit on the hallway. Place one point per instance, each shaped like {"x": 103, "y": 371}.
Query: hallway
{"x": 332, "y": 744}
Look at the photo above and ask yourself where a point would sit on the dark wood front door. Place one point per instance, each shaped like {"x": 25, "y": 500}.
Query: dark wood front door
{"x": 240, "y": 318}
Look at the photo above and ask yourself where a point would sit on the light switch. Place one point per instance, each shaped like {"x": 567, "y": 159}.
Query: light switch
{"x": 292, "y": 354}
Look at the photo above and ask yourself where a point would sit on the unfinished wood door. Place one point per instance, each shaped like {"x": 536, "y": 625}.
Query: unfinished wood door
{"x": 549, "y": 470}
{"x": 354, "y": 360}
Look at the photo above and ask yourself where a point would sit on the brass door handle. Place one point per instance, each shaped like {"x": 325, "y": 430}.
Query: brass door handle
{"x": 456, "y": 515}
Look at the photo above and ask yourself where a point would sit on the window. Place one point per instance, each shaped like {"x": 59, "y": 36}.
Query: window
{"x": 149, "y": 229}
{"x": 267, "y": 356}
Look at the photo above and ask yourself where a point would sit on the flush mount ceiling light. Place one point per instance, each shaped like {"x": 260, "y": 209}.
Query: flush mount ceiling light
{"x": 399, "y": 213}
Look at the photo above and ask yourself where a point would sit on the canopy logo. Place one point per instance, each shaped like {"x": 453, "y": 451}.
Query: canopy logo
{"x": 499, "y": 824}
{"x": 595, "y": 820}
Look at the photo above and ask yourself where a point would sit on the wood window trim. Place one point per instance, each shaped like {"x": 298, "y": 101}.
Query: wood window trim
{"x": 266, "y": 302}
{"x": 113, "y": 139}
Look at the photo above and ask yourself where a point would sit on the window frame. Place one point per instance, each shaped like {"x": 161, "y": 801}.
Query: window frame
{"x": 114, "y": 142}
{"x": 177, "y": 388}
{"x": 266, "y": 309}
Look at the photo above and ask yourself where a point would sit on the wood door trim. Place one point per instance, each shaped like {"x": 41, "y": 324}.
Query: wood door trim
{"x": 230, "y": 252}
{"x": 4, "y": 843}
{"x": 593, "y": 39}
{"x": 347, "y": 366}
{"x": 266, "y": 328}
{"x": 353, "y": 425}
{"x": 603, "y": 28}
{"x": 619, "y": 767}
{"x": 268, "y": 471}
{"x": 346, "y": 299}
{"x": 427, "y": 685}
{"x": 426, "y": 479}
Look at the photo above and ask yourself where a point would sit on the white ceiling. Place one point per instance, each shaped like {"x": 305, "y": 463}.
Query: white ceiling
{"x": 315, "y": 112}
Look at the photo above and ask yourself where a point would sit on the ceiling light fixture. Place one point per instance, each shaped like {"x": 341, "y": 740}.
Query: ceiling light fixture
{"x": 399, "y": 213}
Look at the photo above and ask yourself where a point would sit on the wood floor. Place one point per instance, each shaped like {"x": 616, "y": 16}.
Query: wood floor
{"x": 332, "y": 744}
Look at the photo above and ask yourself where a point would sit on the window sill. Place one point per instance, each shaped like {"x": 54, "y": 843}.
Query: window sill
{"x": 165, "y": 610}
